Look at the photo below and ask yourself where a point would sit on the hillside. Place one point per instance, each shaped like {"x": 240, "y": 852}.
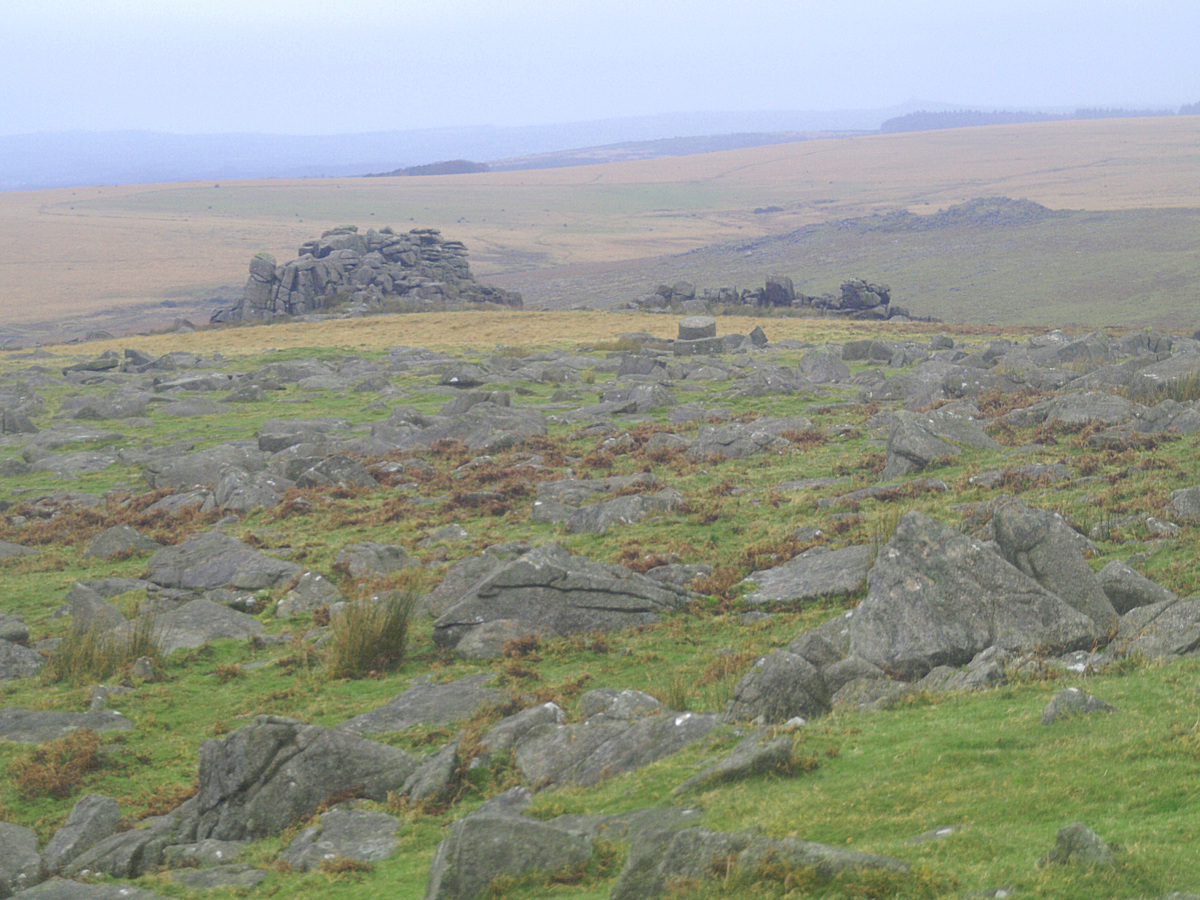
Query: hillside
{"x": 803, "y": 607}
{"x": 74, "y": 254}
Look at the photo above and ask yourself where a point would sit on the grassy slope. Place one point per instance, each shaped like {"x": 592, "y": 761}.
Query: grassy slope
{"x": 979, "y": 762}
{"x": 76, "y": 251}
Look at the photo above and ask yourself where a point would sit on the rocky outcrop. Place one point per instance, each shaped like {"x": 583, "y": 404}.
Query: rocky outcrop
{"x": 272, "y": 773}
{"x": 343, "y": 267}
{"x": 548, "y": 591}
{"x": 936, "y": 597}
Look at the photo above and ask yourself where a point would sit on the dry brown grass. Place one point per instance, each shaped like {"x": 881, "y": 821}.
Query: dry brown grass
{"x": 192, "y": 237}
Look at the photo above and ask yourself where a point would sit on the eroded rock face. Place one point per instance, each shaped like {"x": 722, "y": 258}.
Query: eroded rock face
{"x": 551, "y": 592}
{"x": 603, "y": 746}
{"x": 936, "y": 597}
{"x": 214, "y": 560}
{"x": 1042, "y": 545}
{"x": 480, "y": 848}
{"x": 367, "y": 268}
{"x": 272, "y": 773}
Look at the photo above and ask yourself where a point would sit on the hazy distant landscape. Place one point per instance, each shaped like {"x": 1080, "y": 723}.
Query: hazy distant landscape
{"x": 137, "y": 256}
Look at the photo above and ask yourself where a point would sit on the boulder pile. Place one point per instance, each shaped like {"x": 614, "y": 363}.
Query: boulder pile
{"x": 343, "y": 267}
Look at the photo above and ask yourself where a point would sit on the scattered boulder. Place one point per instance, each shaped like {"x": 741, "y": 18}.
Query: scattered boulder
{"x": 552, "y": 592}
{"x": 341, "y": 833}
{"x": 428, "y": 703}
{"x": 214, "y": 560}
{"x": 781, "y": 686}
{"x": 662, "y": 861}
{"x": 120, "y": 539}
{"x": 752, "y": 756}
{"x": 1072, "y": 702}
{"x": 29, "y": 726}
{"x": 373, "y": 560}
{"x": 20, "y": 863}
{"x": 1042, "y": 545}
{"x": 265, "y": 776}
{"x": 1170, "y": 628}
{"x": 1128, "y": 589}
{"x": 480, "y": 848}
{"x": 93, "y": 818}
{"x": 549, "y": 755}
{"x": 19, "y": 662}
{"x": 816, "y": 573}
{"x": 1078, "y": 845}
{"x": 936, "y": 597}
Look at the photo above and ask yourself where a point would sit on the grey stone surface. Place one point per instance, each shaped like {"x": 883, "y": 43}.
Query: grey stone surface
{"x": 1169, "y": 628}
{"x": 435, "y": 776}
{"x": 93, "y": 818}
{"x": 126, "y": 854}
{"x": 1042, "y": 545}
{"x": 311, "y": 592}
{"x": 199, "y": 622}
{"x": 429, "y": 703}
{"x": 480, "y": 848}
{"x": 741, "y": 441}
{"x": 265, "y": 776}
{"x": 372, "y": 560}
{"x": 780, "y": 686}
{"x": 1072, "y": 702}
{"x": 20, "y": 863}
{"x": 19, "y": 662}
{"x": 358, "y": 834}
{"x": 1128, "y": 589}
{"x": 813, "y": 574}
{"x": 1080, "y": 846}
{"x": 29, "y": 726}
{"x": 662, "y": 861}
{"x": 120, "y": 539}
{"x": 552, "y": 592}
{"x": 214, "y": 560}
{"x": 755, "y": 755}
{"x": 239, "y": 876}
{"x": 936, "y": 597}
{"x": 601, "y": 747}
{"x": 65, "y": 889}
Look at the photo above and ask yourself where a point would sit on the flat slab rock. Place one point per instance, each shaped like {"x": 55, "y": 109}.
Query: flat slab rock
{"x": 601, "y": 747}
{"x": 428, "y": 703}
{"x": 549, "y": 591}
{"x": 28, "y": 726}
{"x": 813, "y": 574}
{"x": 356, "y": 834}
{"x": 215, "y": 560}
{"x": 65, "y": 889}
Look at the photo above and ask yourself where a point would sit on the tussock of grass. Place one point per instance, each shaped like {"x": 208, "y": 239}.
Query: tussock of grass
{"x": 87, "y": 656}
{"x": 369, "y": 637}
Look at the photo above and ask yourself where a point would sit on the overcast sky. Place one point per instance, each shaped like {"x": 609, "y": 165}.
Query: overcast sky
{"x": 323, "y": 67}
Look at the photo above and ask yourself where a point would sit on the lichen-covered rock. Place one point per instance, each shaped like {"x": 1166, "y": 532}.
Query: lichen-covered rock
{"x": 936, "y": 597}
{"x": 264, "y": 777}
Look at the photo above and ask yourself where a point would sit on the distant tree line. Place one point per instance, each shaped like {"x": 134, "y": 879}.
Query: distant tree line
{"x": 924, "y": 120}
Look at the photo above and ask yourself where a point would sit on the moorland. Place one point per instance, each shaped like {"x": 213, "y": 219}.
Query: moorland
{"x": 77, "y": 259}
{"x": 551, "y": 603}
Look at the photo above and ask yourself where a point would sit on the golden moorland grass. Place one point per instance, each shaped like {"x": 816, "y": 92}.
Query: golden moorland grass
{"x": 481, "y": 331}
{"x": 74, "y": 251}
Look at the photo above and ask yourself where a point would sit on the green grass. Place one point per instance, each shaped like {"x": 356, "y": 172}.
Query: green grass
{"x": 980, "y": 762}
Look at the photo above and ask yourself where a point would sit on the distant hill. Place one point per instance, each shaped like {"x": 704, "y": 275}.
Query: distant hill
{"x": 927, "y": 120}
{"x": 447, "y": 167}
{"x": 78, "y": 158}
{"x": 676, "y": 146}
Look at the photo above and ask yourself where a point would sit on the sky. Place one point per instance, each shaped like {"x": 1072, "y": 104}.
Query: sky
{"x": 325, "y": 67}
